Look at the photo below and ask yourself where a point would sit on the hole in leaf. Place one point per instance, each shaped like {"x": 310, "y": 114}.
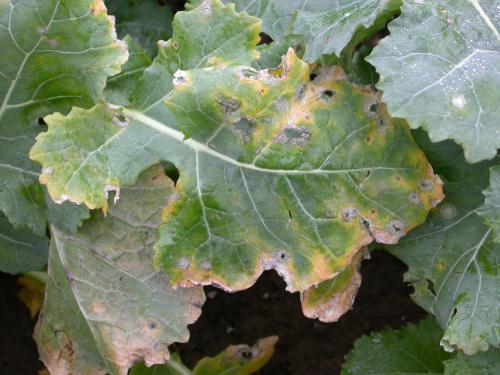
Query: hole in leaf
{"x": 374, "y": 108}
{"x": 171, "y": 171}
{"x": 327, "y": 95}
{"x": 265, "y": 39}
{"x": 430, "y": 286}
{"x": 312, "y": 76}
{"x": 41, "y": 121}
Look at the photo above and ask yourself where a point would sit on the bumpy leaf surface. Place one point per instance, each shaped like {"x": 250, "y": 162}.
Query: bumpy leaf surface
{"x": 453, "y": 261}
{"x": 56, "y": 54}
{"x": 439, "y": 69}
{"x": 105, "y": 306}
{"x": 329, "y": 31}
{"x": 20, "y": 249}
{"x": 146, "y": 20}
{"x": 490, "y": 210}
{"x": 413, "y": 350}
{"x": 280, "y": 172}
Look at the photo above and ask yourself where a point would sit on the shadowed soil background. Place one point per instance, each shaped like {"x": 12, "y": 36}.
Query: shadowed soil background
{"x": 306, "y": 347}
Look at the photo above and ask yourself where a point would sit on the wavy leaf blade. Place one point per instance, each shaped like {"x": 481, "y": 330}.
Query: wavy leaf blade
{"x": 106, "y": 307}
{"x": 448, "y": 85}
{"x": 452, "y": 259}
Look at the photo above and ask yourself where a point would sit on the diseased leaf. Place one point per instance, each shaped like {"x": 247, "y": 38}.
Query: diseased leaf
{"x": 32, "y": 290}
{"x": 235, "y": 360}
{"x": 279, "y": 172}
{"x": 220, "y": 35}
{"x": 413, "y": 349}
{"x": 452, "y": 259}
{"x": 238, "y": 359}
{"x": 333, "y": 298}
{"x": 439, "y": 69}
{"x": 146, "y": 20}
{"x": 56, "y": 54}
{"x": 490, "y": 210}
{"x": 20, "y": 249}
{"x": 330, "y": 31}
{"x": 105, "y": 306}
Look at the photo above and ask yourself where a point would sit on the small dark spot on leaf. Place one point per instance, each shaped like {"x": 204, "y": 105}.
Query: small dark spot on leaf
{"x": 229, "y": 105}
{"x": 327, "y": 95}
{"x": 244, "y": 128}
{"x": 374, "y": 108}
{"x": 152, "y": 325}
{"x": 312, "y": 76}
{"x": 349, "y": 213}
{"x": 246, "y": 353}
{"x": 398, "y": 178}
{"x": 300, "y": 92}
{"x": 425, "y": 185}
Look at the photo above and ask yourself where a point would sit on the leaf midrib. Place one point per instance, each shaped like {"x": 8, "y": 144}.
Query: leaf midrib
{"x": 200, "y": 147}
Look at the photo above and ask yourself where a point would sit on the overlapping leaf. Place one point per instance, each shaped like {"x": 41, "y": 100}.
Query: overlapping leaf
{"x": 414, "y": 349}
{"x": 260, "y": 143}
{"x": 439, "y": 69}
{"x": 329, "y": 31}
{"x": 20, "y": 249}
{"x": 331, "y": 299}
{"x": 56, "y": 54}
{"x": 105, "y": 306}
{"x": 490, "y": 210}
{"x": 452, "y": 259}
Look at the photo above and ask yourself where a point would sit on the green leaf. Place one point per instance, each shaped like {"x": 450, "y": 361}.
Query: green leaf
{"x": 452, "y": 259}
{"x": 235, "y": 360}
{"x": 20, "y": 249}
{"x": 331, "y": 299}
{"x": 238, "y": 359}
{"x": 146, "y": 20}
{"x": 173, "y": 366}
{"x": 415, "y": 350}
{"x": 490, "y": 210}
{"x": 412, "y": 350}
{"x": 106, "y": 307}
{"x": 279, "y": 172}
{"x": 439, "y": 70}
{"x": 121, "y": 86}
{"x": 220, "y": 35}
{"x": 485, "y": 363}
{"x": 330, "y": 31}
{"x": 56, "y": 54}
{"x": 276, "y": 15}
